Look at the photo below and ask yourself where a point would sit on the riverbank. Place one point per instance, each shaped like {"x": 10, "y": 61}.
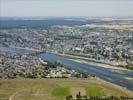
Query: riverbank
{"x": 90, "y": 61}
{"x": 27, "y": 49}
{"x": 57, "y": 89}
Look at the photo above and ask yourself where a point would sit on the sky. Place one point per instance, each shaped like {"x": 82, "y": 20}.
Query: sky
{"x": 92, "y": 8}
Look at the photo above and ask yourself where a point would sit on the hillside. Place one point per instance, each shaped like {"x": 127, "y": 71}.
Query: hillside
{"x": 56, "y": 89}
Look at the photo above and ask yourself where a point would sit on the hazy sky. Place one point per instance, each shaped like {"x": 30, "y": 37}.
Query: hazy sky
{"x": 66, "y": 8}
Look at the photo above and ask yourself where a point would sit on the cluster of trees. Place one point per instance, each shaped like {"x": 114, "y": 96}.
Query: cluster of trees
{"x": 126, "y": 66}
{"x": 54, "y": 64}
{"x": 80, "y": 97}
{"x": 42, "y": 71}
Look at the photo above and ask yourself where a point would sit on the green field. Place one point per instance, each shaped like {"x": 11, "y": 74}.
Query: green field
{"x": 94, "y": 90}
{"x": 54, "y": 89}
{"x": 60, "y": 91}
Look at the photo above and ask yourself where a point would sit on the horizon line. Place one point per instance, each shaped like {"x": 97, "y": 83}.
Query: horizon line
{"x": 63, "y": 16}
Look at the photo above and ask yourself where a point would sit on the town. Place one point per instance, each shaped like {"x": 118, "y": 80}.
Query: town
{"x": 111, "y": 44}
{"x": 14, "y": 65}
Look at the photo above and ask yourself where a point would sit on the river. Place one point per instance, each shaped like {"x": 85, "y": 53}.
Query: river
{"x": 106, "y": 74}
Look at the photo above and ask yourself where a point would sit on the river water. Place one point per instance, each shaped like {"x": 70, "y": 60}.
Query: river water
{"x": 106, "y": 74}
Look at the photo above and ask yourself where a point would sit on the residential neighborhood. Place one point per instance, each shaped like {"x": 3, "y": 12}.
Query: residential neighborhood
{"x": 105, "y": 44}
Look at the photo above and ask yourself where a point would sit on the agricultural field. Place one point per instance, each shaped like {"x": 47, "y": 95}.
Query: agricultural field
{"x": 56, "y": 89}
